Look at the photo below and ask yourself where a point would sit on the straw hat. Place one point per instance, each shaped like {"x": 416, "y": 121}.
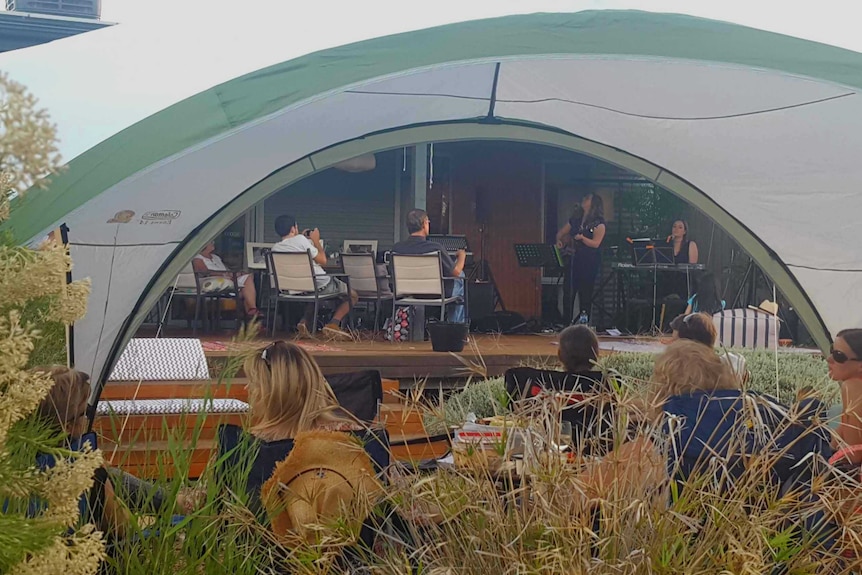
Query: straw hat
{"x": 327, "y": 476}
{"x": 766, "y": 306}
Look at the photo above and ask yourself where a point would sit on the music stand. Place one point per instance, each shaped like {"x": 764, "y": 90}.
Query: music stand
{"x": 642, "y": 252}
{"x": 538, "y": 256}
{"x": 663, "y": 254}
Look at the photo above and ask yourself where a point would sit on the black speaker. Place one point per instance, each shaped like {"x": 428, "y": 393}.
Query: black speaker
{"x": 481, "y": 299}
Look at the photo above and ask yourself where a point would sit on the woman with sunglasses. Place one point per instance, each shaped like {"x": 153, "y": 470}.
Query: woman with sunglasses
{"x": 845, "y": 367}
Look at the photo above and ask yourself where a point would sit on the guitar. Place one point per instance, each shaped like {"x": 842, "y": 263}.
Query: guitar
{"x": 570, "y": 245}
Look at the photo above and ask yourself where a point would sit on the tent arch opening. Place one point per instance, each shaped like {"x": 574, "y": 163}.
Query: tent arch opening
{"x": 461, "y": 131}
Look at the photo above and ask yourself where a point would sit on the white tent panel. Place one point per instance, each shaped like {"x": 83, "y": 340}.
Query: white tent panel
{"x": 464, "y": 80}
{"x": 776, "y": 172}
{"x": 118, "y": 275}
{"x": 195, "y": 184}
{"x": 657, "y": 88}
{"x": 834, "y": 295}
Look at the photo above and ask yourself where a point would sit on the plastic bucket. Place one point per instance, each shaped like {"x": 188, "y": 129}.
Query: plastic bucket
{"x": 447, "y": 336}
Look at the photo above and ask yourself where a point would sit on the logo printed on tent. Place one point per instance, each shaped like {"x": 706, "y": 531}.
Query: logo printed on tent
{"x": 160, "y": 217}
{"x": 122, "y": 217}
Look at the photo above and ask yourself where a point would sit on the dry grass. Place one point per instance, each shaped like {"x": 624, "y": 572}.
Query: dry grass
{"x": 558, "y": 518}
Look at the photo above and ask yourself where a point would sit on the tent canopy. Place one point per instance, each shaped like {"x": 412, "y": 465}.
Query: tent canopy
{"x": 759, "y": 130}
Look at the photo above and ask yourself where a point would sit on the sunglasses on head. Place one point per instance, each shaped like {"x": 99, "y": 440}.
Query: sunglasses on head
{"x": 840, "y": 356}
{"x": 267, "y": 352}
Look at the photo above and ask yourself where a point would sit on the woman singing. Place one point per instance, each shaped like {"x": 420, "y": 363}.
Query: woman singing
{"x": 584, "y": 235}
{"x": 684, "y": 250}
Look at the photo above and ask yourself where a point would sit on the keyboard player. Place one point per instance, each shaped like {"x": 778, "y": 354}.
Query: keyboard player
{"x": 418, "y": 225}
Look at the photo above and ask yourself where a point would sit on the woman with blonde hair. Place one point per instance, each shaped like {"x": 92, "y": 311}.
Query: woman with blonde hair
{"x": 288, "y": 394}
{"x": 289, "y": 402}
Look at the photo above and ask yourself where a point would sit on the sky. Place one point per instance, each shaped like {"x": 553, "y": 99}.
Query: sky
{"x": 833, "y": 22}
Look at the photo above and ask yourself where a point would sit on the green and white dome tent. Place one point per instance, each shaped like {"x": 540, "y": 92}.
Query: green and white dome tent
{"x": 760, "y": 131}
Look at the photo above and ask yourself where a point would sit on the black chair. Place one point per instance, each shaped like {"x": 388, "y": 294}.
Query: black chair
{"x": 360, "y": 393}
{"x": 589, "y": 409}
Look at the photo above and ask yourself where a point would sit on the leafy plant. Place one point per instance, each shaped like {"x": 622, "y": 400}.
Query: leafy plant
{"x": 40, "y": 530}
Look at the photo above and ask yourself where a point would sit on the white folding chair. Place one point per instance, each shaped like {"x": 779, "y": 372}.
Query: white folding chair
{"x": 419, "y": 280}
{"x": 292, "y": 278}
{"x": 368, "y": 284}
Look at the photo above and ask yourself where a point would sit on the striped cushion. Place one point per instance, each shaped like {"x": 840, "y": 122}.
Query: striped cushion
{"x": 169, "y": 406}
{"x": 746, "y": 328}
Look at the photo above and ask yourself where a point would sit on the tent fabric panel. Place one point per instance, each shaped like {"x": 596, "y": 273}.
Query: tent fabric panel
{"x": 114, "y": 160}
{"x": 791, "y": 167}
{"x": 472, "y": 80}
{"x": 118, "y": 277}
{"x": 836, "y": 295}
{"x": 192, "y": 186}
{"x": 273, "y": 88}
{"x": 678, "y": 89}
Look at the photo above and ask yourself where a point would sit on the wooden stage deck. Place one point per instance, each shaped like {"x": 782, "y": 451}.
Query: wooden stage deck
{"x": 484, "y": 355}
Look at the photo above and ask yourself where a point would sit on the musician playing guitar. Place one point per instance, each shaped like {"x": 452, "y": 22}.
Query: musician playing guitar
{"x": 582, "y": 237}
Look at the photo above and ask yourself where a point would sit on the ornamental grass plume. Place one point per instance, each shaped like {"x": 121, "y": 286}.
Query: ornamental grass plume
{"x": 40, "y": 523}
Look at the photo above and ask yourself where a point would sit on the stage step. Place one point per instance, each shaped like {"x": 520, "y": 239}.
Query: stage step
{"x": 152, "y": 460}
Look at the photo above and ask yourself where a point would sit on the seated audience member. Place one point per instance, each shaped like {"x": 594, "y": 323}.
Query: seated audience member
{"x": 699, "y": 327}
{"x": 211, "y": 264}
{"x": 288, "y": 396}
{"x": 309, "y": 241}
{"x": 705, "y": 298}
{"x": 845, "y": 367}
{"x": 419, "y": 226}
{"x": 579, "y": 351}
{"x": 586, "y": 402}
{"x": 65, "y": 409}
{"x": 712, "y": 422}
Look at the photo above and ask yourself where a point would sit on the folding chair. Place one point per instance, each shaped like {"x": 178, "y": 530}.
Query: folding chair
{"x": 292, "y": 279}
{"x": 189, "y": 284}
{"x": 362, "y": 271}
{"x": 418, "y": 280}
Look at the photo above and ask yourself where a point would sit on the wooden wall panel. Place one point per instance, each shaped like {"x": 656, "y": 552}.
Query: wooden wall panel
{"x": 508, "y": 175}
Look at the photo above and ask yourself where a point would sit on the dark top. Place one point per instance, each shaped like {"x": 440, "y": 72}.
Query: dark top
{"x": 718, "y": 425}
{"x": 585, "y": 255}
{"x": 415, "y": 245}
{"x": 682, "y": 256}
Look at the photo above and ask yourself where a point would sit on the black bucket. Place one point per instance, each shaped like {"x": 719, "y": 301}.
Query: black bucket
{"x": 447, "y": 336}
